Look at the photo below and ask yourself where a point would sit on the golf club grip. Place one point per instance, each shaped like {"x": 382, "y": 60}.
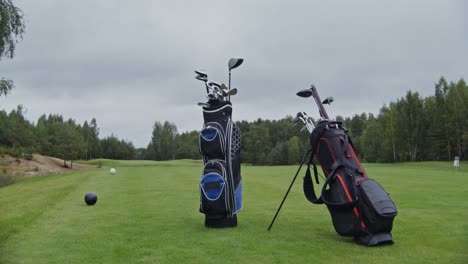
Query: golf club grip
{"x": 322, "y": 111}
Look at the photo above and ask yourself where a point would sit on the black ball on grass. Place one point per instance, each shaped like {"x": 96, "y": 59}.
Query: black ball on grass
{"x": 90, "y": 198}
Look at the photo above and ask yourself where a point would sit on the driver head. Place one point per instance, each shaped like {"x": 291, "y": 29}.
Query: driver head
{"x": 328, "y": 100}
{"x": 304, "y": 93}
{"x": 234, "y": 63}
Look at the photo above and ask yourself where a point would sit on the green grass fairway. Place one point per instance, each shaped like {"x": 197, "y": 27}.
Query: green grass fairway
{"x": 148, "y": 213}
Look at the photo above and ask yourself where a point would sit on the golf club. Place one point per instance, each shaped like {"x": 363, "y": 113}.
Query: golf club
{"x": 312, "y": 91}
{"x": 328, "y": 101}
{"x": 308, "y": 120}
{"x": 305, "y": 118}
{"x": 202, "y": 76}
{"x": 299, "y": 117}
{"x": 216, "y": 88}
{"x": 232, "y": 64}
{"x": 203, "y": 104}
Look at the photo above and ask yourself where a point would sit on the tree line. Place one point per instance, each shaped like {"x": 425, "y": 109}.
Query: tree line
{"x": 413, "y": 128}
{"x": 55, "y": 136}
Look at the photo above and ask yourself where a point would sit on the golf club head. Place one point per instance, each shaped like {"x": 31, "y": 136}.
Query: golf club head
{"x": 328, "y": 100}
{"x": 202, "y": 78}
{"x": 201, "y": 74}
{"x": 304, "y": 93}
{"x": 203, "y": 104}
{"x": 234, "y": 63}
{"x": 233, "y": 91}
{"x": 219, "y": 95}
{"x": 296, "y": 120}
{"x": 214, "y": 84}
{"x": 299, "y": 115}
{"x": 224, "y": 90}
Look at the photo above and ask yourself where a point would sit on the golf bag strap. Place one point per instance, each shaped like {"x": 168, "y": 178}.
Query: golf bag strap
{"x": 308, "y": 186}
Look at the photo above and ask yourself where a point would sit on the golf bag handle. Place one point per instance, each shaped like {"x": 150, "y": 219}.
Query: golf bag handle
{"x": 322, "y": 111}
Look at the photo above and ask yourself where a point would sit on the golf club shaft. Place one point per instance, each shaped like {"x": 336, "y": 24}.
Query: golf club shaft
{"x": 331, "y": 111}
{"x": 322, "y": 111}
{"x": 289, "y": 189}
{"x": 229, "y": 87}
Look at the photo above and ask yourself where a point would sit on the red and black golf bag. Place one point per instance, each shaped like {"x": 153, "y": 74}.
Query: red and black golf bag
{"x": 220, "y": 185}
{"x": 359, "y": 207}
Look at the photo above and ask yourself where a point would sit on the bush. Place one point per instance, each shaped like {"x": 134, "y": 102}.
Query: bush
{"x": 27, "y": 156}
{"x": 21, "y": 152}
{"x": 6, "y": 179}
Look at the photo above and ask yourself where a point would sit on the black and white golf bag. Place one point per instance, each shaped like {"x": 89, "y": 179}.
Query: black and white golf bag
{"x": 359, "y": 207}
{"x": 220, "y": 185}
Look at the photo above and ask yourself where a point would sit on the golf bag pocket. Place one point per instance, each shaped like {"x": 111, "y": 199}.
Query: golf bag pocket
{"x": 341, "y": 200}
{"x": 376, "y": 206}
{"x": 212, "y": 144}
{"x": 213, "y": 188}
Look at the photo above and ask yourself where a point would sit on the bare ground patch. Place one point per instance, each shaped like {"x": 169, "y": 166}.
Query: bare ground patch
{"x": 38, "y": 165}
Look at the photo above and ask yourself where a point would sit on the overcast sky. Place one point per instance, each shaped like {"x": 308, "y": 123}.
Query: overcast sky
{"x": 130, "y": 63}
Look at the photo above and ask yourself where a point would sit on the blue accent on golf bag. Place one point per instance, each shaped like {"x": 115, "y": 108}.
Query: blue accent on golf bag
{"x": 212, "y": 185}
{"x": 239, "y": 197}
{"x": 220, "y": 185}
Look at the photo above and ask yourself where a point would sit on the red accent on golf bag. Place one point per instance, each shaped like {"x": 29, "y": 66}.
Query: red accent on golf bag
{"x": 359, "y": 206}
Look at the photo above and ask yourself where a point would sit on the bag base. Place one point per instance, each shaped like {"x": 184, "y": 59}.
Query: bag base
{"x": 375, "y": 239}
{"x": 220, "y": 222}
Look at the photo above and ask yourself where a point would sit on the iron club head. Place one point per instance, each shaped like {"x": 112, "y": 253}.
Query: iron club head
{"x": 233, "y": 91}
{"x": 201, "y": 74}
{"x": 203, "y": 104}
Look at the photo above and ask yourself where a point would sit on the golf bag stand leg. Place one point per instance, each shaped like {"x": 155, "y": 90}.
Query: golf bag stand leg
{"x": 289, "y": 189}
{"x": 220, "y": 184}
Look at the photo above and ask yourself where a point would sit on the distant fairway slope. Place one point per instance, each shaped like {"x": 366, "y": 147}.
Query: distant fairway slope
{"x": 148, "y": 213}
